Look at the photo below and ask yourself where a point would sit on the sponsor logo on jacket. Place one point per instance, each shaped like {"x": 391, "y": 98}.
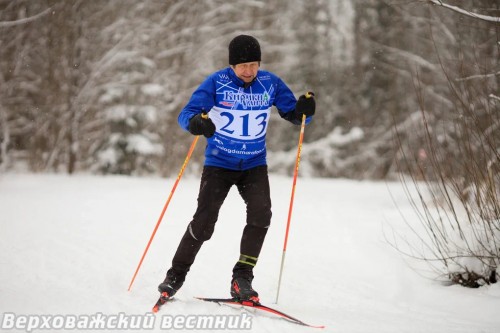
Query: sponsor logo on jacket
{"x": 246, "y": 100}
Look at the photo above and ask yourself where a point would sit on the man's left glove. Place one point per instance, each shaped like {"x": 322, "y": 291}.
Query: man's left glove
{"x": 305, "y": 105}
{"x": 201, "y": 125}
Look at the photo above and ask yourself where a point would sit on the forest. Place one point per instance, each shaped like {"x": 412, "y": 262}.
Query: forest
{"x": 96, "y": 86}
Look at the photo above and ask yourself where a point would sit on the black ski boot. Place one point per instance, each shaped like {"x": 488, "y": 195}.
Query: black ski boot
{"x": 241, "y": 289}
{"x": 172, "y": 284}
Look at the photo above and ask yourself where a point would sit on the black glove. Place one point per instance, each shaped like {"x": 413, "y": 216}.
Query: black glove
{"x": 199, "y": 125}
{"x": 305, "y": 105}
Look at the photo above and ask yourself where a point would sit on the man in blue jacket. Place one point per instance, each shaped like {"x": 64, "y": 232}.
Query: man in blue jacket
{"x": 231, "y": 108}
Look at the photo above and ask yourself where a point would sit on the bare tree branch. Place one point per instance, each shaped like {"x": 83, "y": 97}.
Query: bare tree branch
{"x": 479, "y": 76}
{"x": 8, "y": 24}
{"x": 465, "y": 12}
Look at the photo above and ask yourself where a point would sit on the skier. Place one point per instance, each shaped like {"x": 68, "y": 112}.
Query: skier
{"x": 231, "y": 108}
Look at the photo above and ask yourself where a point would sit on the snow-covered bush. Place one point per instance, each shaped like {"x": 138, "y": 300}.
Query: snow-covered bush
{"x": 456, "y": 174}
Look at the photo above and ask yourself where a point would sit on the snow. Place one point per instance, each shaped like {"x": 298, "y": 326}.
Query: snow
{"x": 142, "y": 144}
{"x": 124, "y": 112}
{"x": 70, "y": 245}
{"x": 323, "y": 151}
{"x": 152, "y": 89}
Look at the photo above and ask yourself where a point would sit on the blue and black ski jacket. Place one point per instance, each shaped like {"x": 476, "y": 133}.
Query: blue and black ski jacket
{"x": 241, "y": 116}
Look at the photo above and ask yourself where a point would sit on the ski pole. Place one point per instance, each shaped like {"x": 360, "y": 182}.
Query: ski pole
{"x": 190, "y": 152}
{"x": 295, "y": 174}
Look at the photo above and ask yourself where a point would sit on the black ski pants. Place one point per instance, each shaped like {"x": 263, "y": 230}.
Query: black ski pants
{"x": 253, "y": 186}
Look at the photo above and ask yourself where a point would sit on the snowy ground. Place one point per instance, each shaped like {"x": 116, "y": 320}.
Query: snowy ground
{"x": 70, "y": 245}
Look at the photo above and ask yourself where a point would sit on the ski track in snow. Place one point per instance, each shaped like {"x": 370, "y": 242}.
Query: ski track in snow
{"x": 70, "y": 245}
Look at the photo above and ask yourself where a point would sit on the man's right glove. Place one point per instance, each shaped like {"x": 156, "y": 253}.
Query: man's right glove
{"x": 305, "y": 105}
{"x": 201, "y": 125}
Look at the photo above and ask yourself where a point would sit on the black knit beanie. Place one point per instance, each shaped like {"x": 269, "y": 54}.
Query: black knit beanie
{"x": 243, "y": 48}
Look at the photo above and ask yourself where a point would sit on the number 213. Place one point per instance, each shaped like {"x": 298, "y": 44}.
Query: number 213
{"x": 245, "y": 124}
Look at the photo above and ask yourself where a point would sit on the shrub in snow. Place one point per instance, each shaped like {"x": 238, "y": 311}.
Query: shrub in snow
{"x": 455, "y": 169}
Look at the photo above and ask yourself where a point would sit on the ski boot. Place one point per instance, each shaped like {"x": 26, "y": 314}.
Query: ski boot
{"x": 171, "y": 284}
{"x": 242, "y": 291}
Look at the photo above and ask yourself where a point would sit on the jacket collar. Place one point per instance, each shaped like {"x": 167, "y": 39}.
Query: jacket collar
{"x": 239, "y": 82}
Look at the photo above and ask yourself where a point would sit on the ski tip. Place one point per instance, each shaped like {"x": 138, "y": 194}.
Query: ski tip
{"x": 320, "y": 326}
{"x": 162, "y": 300}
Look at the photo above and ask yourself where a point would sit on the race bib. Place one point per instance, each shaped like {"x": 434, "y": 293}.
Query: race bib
{"x": 240, "y": 124}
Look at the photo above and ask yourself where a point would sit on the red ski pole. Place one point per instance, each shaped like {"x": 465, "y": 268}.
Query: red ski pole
{"x": 290, "y": 209}
{"x": 190, "y": 152}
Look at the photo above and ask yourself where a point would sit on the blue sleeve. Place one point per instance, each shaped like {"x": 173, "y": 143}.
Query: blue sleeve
{"x": 203, "y": 98}
{"x": 285, "y": 103}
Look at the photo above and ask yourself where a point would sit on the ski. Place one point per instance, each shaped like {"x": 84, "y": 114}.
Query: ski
{"x": 258, "y": 306}
{"x": 162, "y": 300}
